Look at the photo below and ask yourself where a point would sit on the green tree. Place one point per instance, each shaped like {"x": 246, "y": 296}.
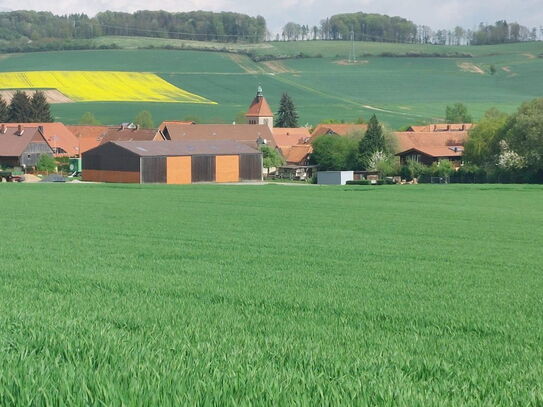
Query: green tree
{"x": 442, "y": 168}
{"x": 457, "y": 113}
{"x": 20, "y": 108}
{"x": 523, "y": 133}
{"x": 41, "y": 110}
{"x": 144, "y": 119}
{"x": 88, "y": 119}
{"x": 482, "y": 146}
{"x": 415, "y": 169}
{"x": 360, "y": 120}
{"x": 271, "y": 157}
{"x": 332, "y": 153}
{"x": 286, "y": 115}
{"x": 46, "y": 162}
{"x": 373, "y": 141}
{"x": 4, "y": 111}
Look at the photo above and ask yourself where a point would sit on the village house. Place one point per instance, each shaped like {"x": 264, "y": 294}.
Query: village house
{"x": 61, "y": 140}
{"x": 432, "y": 143}
{"x": 21, "y": 146}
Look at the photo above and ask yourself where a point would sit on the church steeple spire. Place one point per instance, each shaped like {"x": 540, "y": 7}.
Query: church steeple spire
{"x": 259, "y": 112}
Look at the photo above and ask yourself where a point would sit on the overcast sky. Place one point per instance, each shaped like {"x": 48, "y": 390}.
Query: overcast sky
{"x": 435, "y": 13}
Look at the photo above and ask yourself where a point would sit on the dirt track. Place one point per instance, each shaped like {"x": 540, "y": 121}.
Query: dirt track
{"x": 53, "y": 96}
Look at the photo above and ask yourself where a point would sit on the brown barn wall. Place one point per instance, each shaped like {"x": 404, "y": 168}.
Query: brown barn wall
{"x": 203, "y": 168}
{"x": 250, "y": 167}
{"x": 129, "y": 177}
{"x": 227, "y": 168}
{"x": 153, "y": 170}
{"x": 178, "y": 170}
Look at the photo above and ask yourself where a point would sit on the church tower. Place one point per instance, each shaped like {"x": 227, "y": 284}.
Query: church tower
{"x": 259, "y": 112}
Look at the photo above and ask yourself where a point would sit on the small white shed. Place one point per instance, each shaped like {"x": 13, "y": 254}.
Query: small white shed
{"x": 334, "y": 177}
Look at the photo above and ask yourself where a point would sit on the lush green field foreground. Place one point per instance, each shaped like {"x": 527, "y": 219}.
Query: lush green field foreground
{"x": 271, "y": 295}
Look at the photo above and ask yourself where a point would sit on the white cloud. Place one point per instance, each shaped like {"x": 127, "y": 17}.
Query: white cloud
{"x": 435, "y": 13}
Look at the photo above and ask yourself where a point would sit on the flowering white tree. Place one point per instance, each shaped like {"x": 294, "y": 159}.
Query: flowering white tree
{"x": 509, "y": 159}
{"x": 376, "y": 158}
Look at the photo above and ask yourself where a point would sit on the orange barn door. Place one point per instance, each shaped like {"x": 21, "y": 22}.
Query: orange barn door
{"x": 178, "y": 170}
{"x": 227, "y": 168}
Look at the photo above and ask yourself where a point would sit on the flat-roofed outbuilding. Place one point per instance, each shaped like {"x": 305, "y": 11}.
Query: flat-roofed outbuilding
{"x": 172, "y": 162}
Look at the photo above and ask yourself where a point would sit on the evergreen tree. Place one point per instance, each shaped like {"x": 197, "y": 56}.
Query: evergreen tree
{"x": 4, "y": 111}
{"x": 373, "y": 141}
{"x": 41, "y": 111}
{"x": 144, "y": 119}
{"x": 20, "y": 108}
{"x": 286, "y": 116}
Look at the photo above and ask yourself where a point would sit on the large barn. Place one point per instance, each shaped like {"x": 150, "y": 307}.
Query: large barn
{"x": 172, "y": 162}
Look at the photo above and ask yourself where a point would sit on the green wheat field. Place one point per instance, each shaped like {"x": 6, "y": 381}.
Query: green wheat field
{"x": 271, "y": 295}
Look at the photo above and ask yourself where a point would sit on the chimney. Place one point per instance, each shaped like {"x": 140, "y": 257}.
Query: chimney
{"x": 20, "y": 130}
{"x": 448, "y": 127}
{"x": 3, "y": 129}
{"x": 41, "y": 129}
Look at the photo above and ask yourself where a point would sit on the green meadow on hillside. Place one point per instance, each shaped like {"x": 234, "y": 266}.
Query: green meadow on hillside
{"x": 271, "y": 295}
{"x": 400, "y": 90}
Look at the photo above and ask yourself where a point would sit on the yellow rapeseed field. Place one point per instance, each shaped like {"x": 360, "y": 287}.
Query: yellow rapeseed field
{"x": 101, "y": 86}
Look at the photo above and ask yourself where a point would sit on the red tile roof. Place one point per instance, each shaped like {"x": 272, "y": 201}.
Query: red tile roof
{"x": 342, "y": 129}
{"x": 442, "y": 127}
{"x": 13, "y": 142}
{"x": 57, "y": 136}
{"x": 89, "y": 136}
{"x": 288, "y": 137}
{"x": 430, "y": 141}
{"x": 128, "y": 134}
{"x": 298, "y": 154}
{"x": 259, "y": 108}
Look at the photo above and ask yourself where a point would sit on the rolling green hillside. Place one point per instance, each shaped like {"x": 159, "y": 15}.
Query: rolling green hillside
{"x": 401, "y": 91}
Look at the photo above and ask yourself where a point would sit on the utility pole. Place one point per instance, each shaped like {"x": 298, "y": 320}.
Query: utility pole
{"x": 352, "y": 54}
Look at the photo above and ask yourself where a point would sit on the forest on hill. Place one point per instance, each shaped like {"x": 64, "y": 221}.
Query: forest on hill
{"x": 194, "y": 25}
{"x": 42, "y": 31}
{"x": 382, "y": 28}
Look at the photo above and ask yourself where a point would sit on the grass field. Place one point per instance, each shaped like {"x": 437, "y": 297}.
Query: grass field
{"x": 401, "y": 90}
{"x": 96, "y": 86}
{"x": 271, "y": 295}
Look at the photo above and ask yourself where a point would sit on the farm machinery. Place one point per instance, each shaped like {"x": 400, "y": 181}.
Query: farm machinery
{"x": 11, "y": 176}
